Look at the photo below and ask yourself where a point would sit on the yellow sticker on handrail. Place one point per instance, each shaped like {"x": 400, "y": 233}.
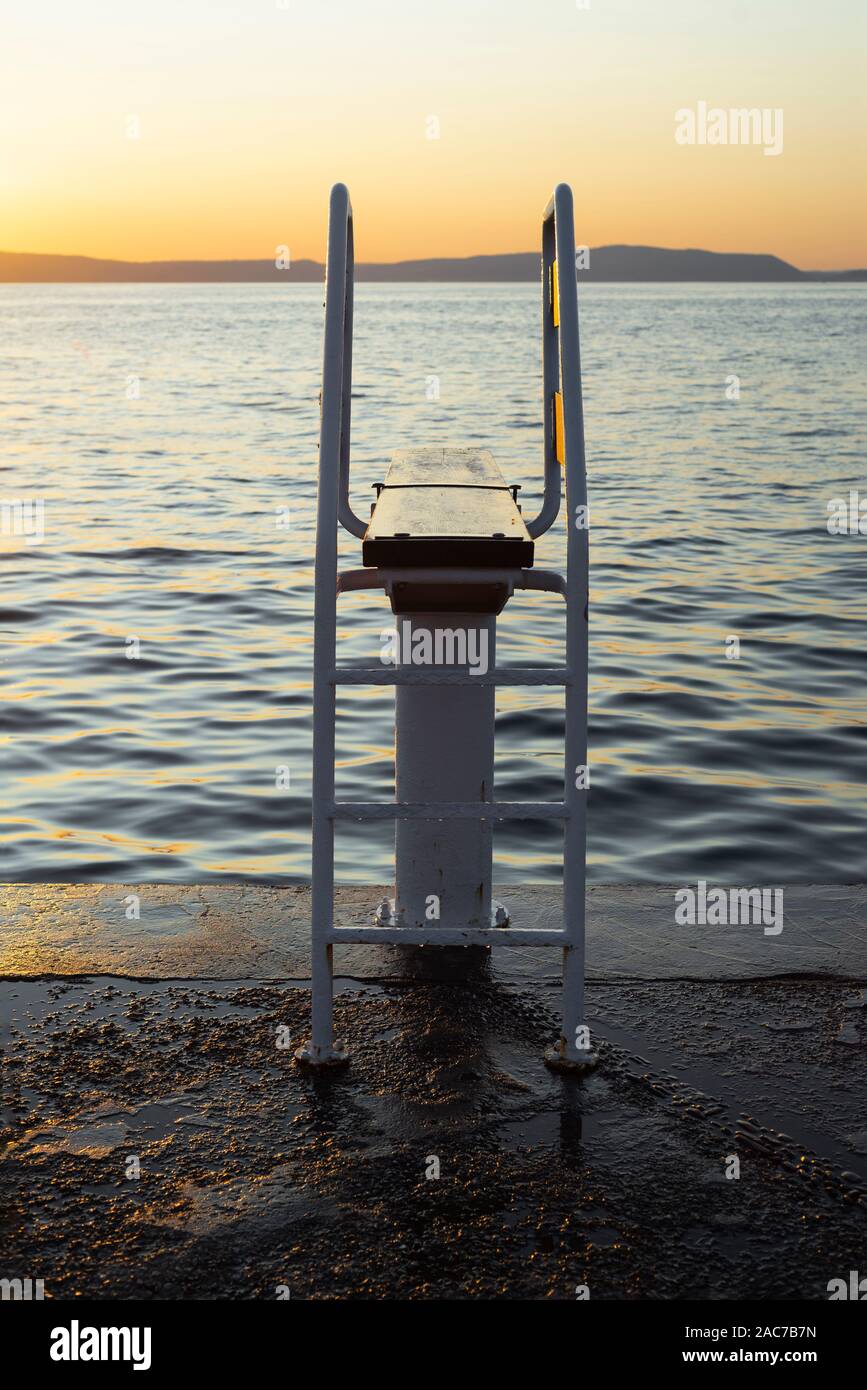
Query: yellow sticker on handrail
{"x": 559, "y": 430}
{"x": 555, "y": 294}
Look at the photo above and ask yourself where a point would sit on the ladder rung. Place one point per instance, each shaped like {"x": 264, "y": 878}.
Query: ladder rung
{"x": 449, "y": 936}
{"x": 429, "y": 675}
{"x": 450, "y": 810}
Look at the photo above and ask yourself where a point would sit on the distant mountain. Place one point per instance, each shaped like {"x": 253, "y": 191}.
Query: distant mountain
{"x": 607, "y": 263}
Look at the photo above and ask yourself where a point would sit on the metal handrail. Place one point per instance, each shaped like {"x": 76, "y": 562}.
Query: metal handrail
{"x": 561, "y": 368}
{"x": 559, "y": 348}
{"x": 559, "y": 217}
{"x": 336, "y": 402}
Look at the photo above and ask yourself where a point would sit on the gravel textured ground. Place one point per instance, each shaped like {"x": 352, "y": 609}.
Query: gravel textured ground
{"x": 160, "y": 1141}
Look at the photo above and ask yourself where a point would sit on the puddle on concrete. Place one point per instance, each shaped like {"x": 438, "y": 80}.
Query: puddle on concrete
{"x": 552, "y": 1129}
{"x": 96, "y": 1133}
{"x": 271, "y": 1201}
{"x": 166, "y": 920}
{"x": 802, "y": 1102}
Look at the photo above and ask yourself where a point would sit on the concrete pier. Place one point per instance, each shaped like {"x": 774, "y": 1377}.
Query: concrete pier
{"x": 159, "y": 1141}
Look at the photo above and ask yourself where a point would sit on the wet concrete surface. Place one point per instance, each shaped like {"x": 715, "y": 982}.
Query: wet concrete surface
{"x": 218, "y": 931}
{"x": 159, "y": 1140}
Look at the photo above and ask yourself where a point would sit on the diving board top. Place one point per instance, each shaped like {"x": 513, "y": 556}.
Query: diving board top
{"x": 446, "y": 465}
{"x": 444, "y": 505}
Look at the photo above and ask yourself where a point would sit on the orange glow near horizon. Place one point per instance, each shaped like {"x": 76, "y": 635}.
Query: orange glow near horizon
{"x": 214, "y": 130}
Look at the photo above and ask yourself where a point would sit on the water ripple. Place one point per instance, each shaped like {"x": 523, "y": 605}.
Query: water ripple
{"x": 155, "y": 651}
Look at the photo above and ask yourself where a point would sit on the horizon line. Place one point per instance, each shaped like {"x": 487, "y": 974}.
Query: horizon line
{"x": 414, "y": 260}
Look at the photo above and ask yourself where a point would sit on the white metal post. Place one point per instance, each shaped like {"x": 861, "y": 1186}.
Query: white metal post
{"x": 573, "y": 1051}
{"x": 333, "y": 481}
{"x": 444, "y": 752}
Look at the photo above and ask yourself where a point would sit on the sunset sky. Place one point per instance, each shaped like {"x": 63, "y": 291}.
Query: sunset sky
{"x": 247, "y": 113}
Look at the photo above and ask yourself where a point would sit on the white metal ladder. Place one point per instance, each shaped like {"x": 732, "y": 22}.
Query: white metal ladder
{"x": 563, "y": 444}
